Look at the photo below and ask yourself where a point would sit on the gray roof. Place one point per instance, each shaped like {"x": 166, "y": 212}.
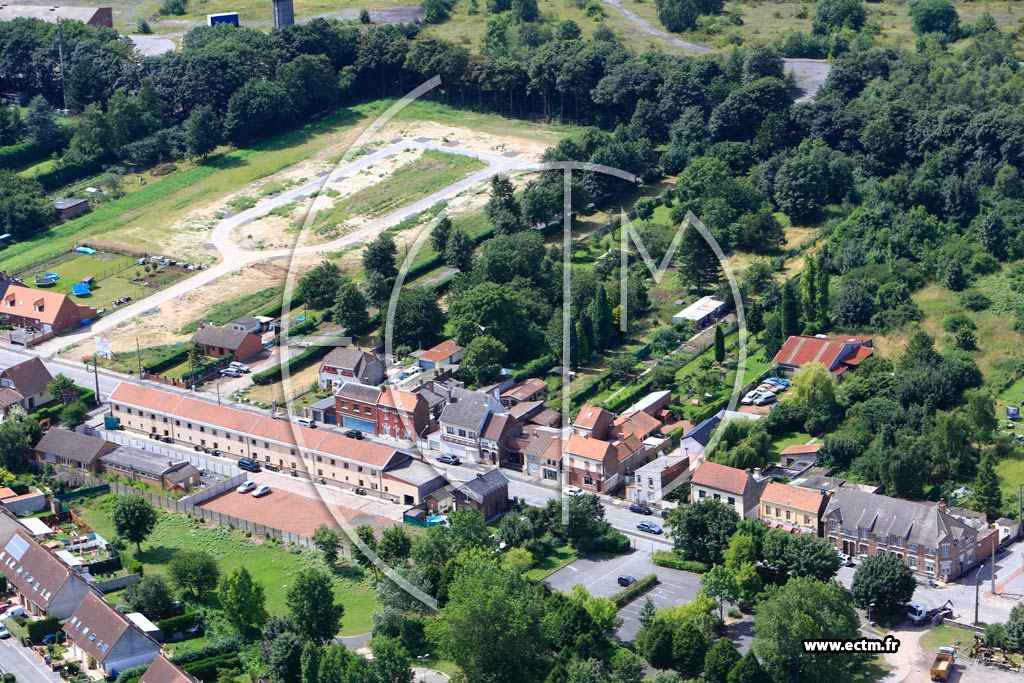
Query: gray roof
{"x": 61, "y": 204}
{"x": 29, "y": 377}
{"x": 75, "y": 446}
{"x": 223, "y": 337}
{"x": 415, "y": 472}
{"x": 324, "y": 403}
{"x": 360, "y": 392}
{"x": 466, "y": 409}
{"x": 43, "y": 12}
{"x": 141, "y": 461}
{"x": 346, "y": 358}
{"x": 246, "y": 320}
{"x": 915, "y": 522}
{"x": 485, "y": 485}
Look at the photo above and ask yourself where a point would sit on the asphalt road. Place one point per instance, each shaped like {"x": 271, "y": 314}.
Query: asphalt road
{"x": 25, "y": 666}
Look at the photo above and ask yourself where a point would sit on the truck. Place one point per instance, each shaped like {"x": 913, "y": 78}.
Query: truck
{"x": 943, "y": 663}
{"x": 919, "y": 615}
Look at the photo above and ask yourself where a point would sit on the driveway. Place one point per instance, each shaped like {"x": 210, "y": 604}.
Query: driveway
{"x": 22, "y": 662}
{"x": 598, "y": 576}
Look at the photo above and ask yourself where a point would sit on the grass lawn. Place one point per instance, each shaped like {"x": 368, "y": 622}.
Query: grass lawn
{"x": 271, "y": 564}
{"x": 1011, "y": 474}
{"x": 874, "y": 670}
{"x": 945, "y": 636}
{"x": 558, "y": 558}
{"x": 783, "y": 441}
{"x": 412, "y": 181}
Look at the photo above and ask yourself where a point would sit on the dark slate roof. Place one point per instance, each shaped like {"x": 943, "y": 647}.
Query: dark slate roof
{"x": 485, "y": 485}
{"x": 359, "y": 392}
{"x": 223, "y": 337}
{"x": 246, "y": 320}
{"x": 915, "y": 522}
{"x": 346, "y": 358}
{"x": 81, "y": 448}
{"x": 141, "y": 461}
{"x": 466, "y": 409}
{"x": 29, "y": 377}
{"x": 61, "y": 203}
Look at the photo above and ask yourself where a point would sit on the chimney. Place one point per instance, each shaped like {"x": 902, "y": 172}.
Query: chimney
{"x": 942, "y": 505}
{"x": 757, "y": 474}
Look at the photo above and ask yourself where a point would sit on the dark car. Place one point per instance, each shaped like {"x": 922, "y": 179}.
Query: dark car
{"x": 649, "y": 527}
{"x": 248, "y": 464}
{"x": 354, "y": 434}
{"x": 664, "y": 514}
{"x": 449, "y": 459}
{"x": 626, "y": 580}
{"x": 641, "y": 508}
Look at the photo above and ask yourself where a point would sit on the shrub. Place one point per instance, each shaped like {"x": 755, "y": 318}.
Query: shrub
{"x": 630, "y": 593}
{"x": 668, "y": 559}
{"x": 974, "y": 300}
{"x": 40, "y": 628}
{"x": 135, "y": 567}
{"x": 300, "y": 362}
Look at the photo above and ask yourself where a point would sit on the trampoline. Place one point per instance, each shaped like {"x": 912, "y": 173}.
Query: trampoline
{"x": 44, "y": 282}
{"x": 80, "y": 289}
{"x": 52, "y": 276}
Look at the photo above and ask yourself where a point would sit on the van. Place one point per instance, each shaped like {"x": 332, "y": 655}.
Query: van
{"x": 248, "y": 464}
{"x": 306, "y": 422}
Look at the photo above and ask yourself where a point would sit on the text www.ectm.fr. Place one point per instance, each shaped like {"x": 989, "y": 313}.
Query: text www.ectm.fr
{"x": 889, "y": 644}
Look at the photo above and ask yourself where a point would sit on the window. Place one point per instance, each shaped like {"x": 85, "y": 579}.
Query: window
{"x": 929, "y": 567}
{"x": 732, "y": 501}
{"x": 945, "y": 550}
{"x": 788, "y": 514}
{"x": 471, "y": 435}
{"x": 929, "y": 551}
{"x": 807, "y": 519}
{"x": 449, "y": 430}
{"x": 588, "y": 481}
{"x": 912, "y": 547}
{"x": 778, "y": 512}
{"x": 718, "y": 497}
{"x": 462, "y": 432}
{"x": 912, "y": 562}
{"x": 700, "y": 494}
{"x": 832, "y": 525}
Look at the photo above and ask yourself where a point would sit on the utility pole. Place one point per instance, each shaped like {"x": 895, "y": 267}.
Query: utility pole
{"x": 994, "y": 566}
{"x": 60, "y": 54}
{"x": 977, "y": 587}
{"x": 138, "y": 356}
{"x": 1020, "y": 507}
{"x": 96, "y": 376}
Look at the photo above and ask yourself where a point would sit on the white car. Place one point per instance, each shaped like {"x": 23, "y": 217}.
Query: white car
{"x": 241, "y": 367}
{"x": 261, "y": 491}
{"x": 573, "y": 491}
{"x": 4, "y": 633}
{"x": 246, "y": 486}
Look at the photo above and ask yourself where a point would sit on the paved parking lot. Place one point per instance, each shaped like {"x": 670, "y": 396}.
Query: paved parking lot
{"x": 599, "y": 577}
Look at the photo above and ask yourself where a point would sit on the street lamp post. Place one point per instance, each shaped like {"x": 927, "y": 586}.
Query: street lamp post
{"x": 977, "y": 589}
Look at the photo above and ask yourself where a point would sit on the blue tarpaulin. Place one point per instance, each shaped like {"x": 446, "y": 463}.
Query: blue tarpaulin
{"x": 85, "y": 250}
{"x": 1012, "y": 412}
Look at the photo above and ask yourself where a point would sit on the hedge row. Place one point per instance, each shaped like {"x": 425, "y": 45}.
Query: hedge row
{"x": 630, "y": 593}
{"x": 668, "y": 559}
{"x": 204, "y": 369}
{"x": 21, "y": 154}
{"x": 179, "y": 623}
{"x": 41, "y": 628}
{"x": 627, "y": 396}
{"x": 537, "y": 367}
{"x": 176, "y": 356}
{"x": 53, "y": 412}
{"x": 296, "y": 363}
{"x": 206, "y": 669}
{"x": 62, "y": 174}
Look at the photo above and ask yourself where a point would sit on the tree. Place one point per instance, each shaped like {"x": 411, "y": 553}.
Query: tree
{"x": 935, "y": 16}
{"x": 255, "y": 109}
{"x": 719, "y": 344}
{"x": 379, "y": 257}
{"x": 762, "y": 61}
{"x": 310, "y": 82}
{"x": 73, "y": 414}
{"x": 720, "y": 584}
{"x": 987, "y": 496}
{"x": 394, "y": 545}
{"x": 243, "y": 602}
{"x": 789, "y": 310}
{"x": 644, "y": 208}
{"x": 328, "y": 542}
{"x": 63, "y": 389}
{"x": 483, "y": 358}
{"x": 701, "y": 531}
{"x": 458, "y": 252}
{"x": 41, "y": 123}
{"x": 720, "y": 660}
{"x": 747, "y": 670}
{"x": 602, "y": 610}
{"x": 203, "y": 132}
{"x": 364, "y": 532}
{"x": 982, "y": 414}
{"x": 151, "y": 596}
{"x": 678, "y": 15}
{"x": 469, "y": 529}
{"x": 310, "y": 601}
{"x": 583, "y": 353}
{"x": 1015, "y": 628}
{"x": 284, "y": 663}
{"x": 418, "y": 318}
{"x": 439, "y": 235}
{"x": 884, "y": 580}
{"x": 318, "y": 288}
{"x": 647, "y": 613}
{"x": 517, "y": 560}
{"x": 815, "y": 387}
{"x": 194, "y": 570}
{"x": 491, "y": 625}
{"x": 503, "y": 209}
{"x": 309, "y": 663}
{"x": 832, "y": 15}
{"x": 805, "y": 609}
{"x": 698, "y": 265}
{"x": 350, "y": 307}
{"x": 134, "y": 519}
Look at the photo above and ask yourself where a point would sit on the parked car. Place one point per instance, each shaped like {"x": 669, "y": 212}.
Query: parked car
{"x": 845, "y": 560}
{"x": 664, "y": 514}
{"x": 230, "y": 372}
{"x": 764, "y": 399}
{"x": 248, "y": 464}
{"x": 246, "y": 486}
{"x": 4, "y": 633}
{"x": 649, "y": 527}
{"x": 354, "y": 434}
{"x": 626, "y": 580}
{"x": 306, "y": 422}
{"x": 241, "y": 367}
{"x": 446, "y": 459}
{"x": 640, "y": 508}
{"x": 748, "y": 398}
{"x": 261, "y": 491}
{"x": 573, "y": 491}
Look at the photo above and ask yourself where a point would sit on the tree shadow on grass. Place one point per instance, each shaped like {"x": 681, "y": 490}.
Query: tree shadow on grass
{"x": 160, "y": 554}
{"x": 351, "y": 572}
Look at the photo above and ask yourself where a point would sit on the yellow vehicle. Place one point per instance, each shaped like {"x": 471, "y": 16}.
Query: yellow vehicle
{"x": 943, "y": 663}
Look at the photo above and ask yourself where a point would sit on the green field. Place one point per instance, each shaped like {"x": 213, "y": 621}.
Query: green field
{"x": 558, "y": 558}
{"x": 408, "y": 183}
{"x": 114, "y": 277}
{"x": 271, "y": 564}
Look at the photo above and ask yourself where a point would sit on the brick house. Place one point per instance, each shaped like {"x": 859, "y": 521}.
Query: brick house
{"x": 445, "y": 353}
{"x": 356, "y": 406}
{"x": 218, "y": 342}
{"x": 163, "y": 671}
{"x": 737, "y": 488}
{"x": 350, "y": 364}
{"x": 487, "y": 493}
{"x": 25, "y": 384}
{"x": 533, "y": 389}
{"x": 925, "y": 535}
{"x": 39, "y": 309}
{"x": 105, "y": 639}
{"x": 591, "y": 464}
{"x": 402, "y": 414}
{"x": 71, "y": 449}
{"x": 792, "y": 508}
{"x": 593, "y": 421}
{"x": 152, "y": 468}
{"x": 43, "y": 585}
{"x": 838, "y": 355}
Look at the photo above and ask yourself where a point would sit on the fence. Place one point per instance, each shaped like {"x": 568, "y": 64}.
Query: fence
{"x": 111, "y": 585}
{"x": 206, "y": 494}
{"x": 210, "y": 465}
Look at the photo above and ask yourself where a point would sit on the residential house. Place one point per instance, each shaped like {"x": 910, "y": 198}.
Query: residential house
{"x": 445, "y": 353}
{"x": 462, "y": 422}
{"x": 792, "y": 508}
{"x": 42, "y": 584}
{"x": 41, "y": 310}
{"x": 494, "y": 438}
{"x": 654, "y": 404}
{"x": 541, "y": 450}
{"x": 925, "y": 535}
{"x": 350, "y": 364}
{"x": 651, "y": 482}
{"x": 105, "y": 639}
{"x": 402, "y": 414}
{"x": 591, "y": 464}
{"x": 25, "y": 384}
{"x": 838, "y": 355}
{"x": 381, "y": 471}
{"x": 246, "y": 323}
{"x": 638, "y": 424}
{"x": 71, "y": 449}
{"x": 1009, "y": 529}
{"x": 151, "y": 468}
{"x": 696, "y": 439}
{"x": 163, "y": 671}
{"x": 356, "y": 406}
{"x": 533, "y": 389}
{"x": 486, "y": 493}
{"x": 593, "y": 422}
{"x": 737, "y": 488}
{"x": 805, "y": 452}
{"x": 23, "y": 504}
{"x": 70, "y": 208}
{"x": 218, "y": 342}
{"x": 90, "y": 16}
{"x": 702, "y": 312}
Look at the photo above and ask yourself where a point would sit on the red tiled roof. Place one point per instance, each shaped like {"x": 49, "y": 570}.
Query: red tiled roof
{"x": 590, "y": 416}
{"x": 638, "y": 424}
{"x": 442, "y": 351}
{"x": 22, "y": 301}
{"x": 163, "y": 671}
{"x": 793, "y": 496}
{"x": 402, "y": 400}
{"x": 800, "y": 350}
{"x": 721, "y": 478}
{"x": 256, "y": 426}
{"x": 801, "y": 449}
{"x": 525, "y": 389}
{"x": 585, "y": 447}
